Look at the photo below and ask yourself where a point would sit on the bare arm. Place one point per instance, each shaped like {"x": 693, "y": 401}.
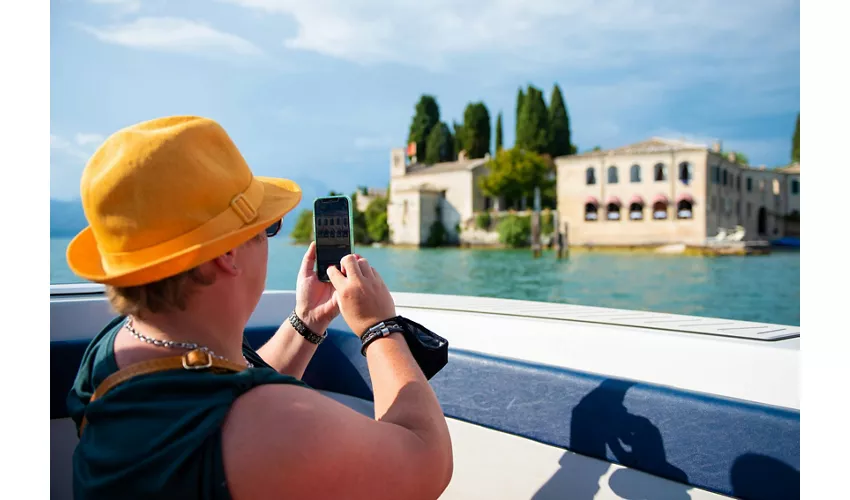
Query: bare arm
{"x": 290, "y": 441}
{"x": 315, "y": 304}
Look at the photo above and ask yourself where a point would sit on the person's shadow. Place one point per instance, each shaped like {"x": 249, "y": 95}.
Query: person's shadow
{"x": 601, "y": 427}
{"x": 759, "y": 476}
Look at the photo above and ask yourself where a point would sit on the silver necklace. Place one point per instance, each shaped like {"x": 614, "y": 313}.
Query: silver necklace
{"x": 177, "y": 345}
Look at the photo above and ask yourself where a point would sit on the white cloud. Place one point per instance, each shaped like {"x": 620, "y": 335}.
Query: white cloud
{"x": 174, "y": 35}
{"x": 584, "y": 33}
{"x": 70, "y": 150}
{"x": 85, "y": 139}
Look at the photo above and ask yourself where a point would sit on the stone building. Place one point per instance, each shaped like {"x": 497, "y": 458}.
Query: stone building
{"x": 367, "y": 196}
{"x": 421, "y": 194}
{"x": 663, "y": 191}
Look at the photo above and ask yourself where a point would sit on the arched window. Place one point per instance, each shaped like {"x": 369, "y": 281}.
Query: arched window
{"x": 634, "y": 173}
{"x": 613, "y": 208}
{"x": 636, "y": 208}
{"x": 612, "y": 175}
{"x": 590, "y": 176}
{"x": 685, "y": 207}
{"x": 686, "y": 172}
{"x": 659, "y": 207}
{"x": 591, "y": 207}
{"x": 660, "y": 172}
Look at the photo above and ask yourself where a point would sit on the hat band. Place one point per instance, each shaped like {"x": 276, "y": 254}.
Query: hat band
{"x": 242, "y": 211}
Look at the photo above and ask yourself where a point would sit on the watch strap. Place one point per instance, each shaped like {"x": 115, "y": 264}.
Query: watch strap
{"x": 300, "y": 327}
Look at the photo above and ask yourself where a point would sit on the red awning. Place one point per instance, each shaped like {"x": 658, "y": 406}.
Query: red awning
{"x": 591, "y": 201}
{"x": 637, "y": 199}
{"x": 685, "y": 197}
{"x": 613, "y": 200}
{"x": 660, "y": 198}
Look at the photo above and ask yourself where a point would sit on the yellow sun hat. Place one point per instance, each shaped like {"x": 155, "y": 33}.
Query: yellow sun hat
{"x": 166, "y": 195}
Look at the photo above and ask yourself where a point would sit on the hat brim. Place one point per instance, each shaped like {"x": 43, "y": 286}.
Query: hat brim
{"x": 280, "y": 196}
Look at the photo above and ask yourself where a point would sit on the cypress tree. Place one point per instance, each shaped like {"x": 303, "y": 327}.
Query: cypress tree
{"x": 795, "y": 146}
{"x": 559, "y": 125}
{"x": 426, "y": 118}
{"x": 476, "y": 130}
{"x": 520, "y": 97}
{"x": 440, "y": 147}
{"x": 533, "y": 130}
{"x": 499, "y": 132}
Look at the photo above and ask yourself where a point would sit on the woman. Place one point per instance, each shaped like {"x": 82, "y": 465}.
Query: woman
{"x": 178, "y": 233}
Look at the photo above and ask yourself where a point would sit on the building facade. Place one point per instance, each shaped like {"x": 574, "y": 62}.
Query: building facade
{"x": 422, "y": 194}
{"x": 662, "y": 191}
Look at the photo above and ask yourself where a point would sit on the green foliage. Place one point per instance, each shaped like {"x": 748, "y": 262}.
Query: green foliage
{"x": 795, "y": 142}
{"x": 303, "y": 230}
{"x": 559, "y": 125}
{"x": 334, "y": 193}
{"x": 376, "y": 220}
{"x": 482, "y": 220}
{"x": 427, "y": 116}
{"x": 740, "y": 158}
{"x": 499, "y": 132}
{"x": 476, "y": 130}
{"x": 533, "y": 128}
{"x": 515, "y": 230}
{"x": 520, "y": 98}
{"x": 458, "y": 138}
{"x": 513, "y": 174}
{"x": 440, "y": 145}
{"x": 597, "y": 148}
{"x": 437, "y": 234}
{"x": 547, "y": 222}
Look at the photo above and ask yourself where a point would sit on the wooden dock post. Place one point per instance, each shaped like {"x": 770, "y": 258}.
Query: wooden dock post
{"x": 560, "y": 239}
{"x": 535, "y": 225}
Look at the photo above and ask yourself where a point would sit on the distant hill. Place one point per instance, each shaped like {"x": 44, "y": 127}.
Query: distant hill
{"x": 66, "y": 218}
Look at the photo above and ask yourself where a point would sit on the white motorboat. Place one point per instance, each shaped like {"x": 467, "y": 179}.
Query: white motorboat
{"x": 549, "y": 400}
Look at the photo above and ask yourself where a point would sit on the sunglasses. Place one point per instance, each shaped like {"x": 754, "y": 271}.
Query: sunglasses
{"x": 274, "y": 228}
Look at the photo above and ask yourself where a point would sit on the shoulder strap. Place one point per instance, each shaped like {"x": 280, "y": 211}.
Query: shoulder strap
{"x": 195, "y": 360}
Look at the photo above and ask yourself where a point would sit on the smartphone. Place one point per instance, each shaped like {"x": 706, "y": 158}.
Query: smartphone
{"x": 332, "y": 228}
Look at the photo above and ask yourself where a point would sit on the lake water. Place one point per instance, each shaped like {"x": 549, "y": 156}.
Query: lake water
{"x": 756, "y": 288}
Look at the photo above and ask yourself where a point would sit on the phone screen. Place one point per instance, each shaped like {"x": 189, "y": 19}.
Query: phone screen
{"x": 333, "y": 233}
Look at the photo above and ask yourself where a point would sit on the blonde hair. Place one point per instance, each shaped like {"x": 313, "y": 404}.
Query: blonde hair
{"x": 160, "y": 296}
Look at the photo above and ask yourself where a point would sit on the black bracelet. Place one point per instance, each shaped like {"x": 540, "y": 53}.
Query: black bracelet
{"x": 305, "y": 332}
{"x": 380, "y": 330}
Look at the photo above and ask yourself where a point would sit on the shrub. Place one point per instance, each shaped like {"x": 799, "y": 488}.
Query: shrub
{"x": 515, "y": 231}
{"x": 303, "y": 230}
{"x": 482, "y": 220}
{"x": 437, "y": 235}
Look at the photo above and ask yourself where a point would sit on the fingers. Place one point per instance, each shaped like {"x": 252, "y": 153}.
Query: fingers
{"x": 336, "y": 277}
{"x": 352, "y": 268}
{"x": 309, "y": 260}
{"x": 365, "y": 268}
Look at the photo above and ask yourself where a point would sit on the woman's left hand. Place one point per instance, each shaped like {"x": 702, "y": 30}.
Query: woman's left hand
{"x": 315, "y": 302}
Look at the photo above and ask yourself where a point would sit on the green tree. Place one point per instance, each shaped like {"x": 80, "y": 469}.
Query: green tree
{"x": 458, "y": 138}
{"x": 597, "y": 148}
{"x": 559, "y": 125}
{"x": 303, "y": 230}
{"x": 476, "y": 130}
{"x": 499, "y": 132}
{"x": 376, "y": 220}
{"x": 427, "y": 116}
{"x": 334, "y": 193}
{"x": 520, "y": 98}
{"x": 514, "y": 173}
{"x": 359, "y": 228}
{"x": 795, "y": 142}
{"x": 533, "y": 131}
{"x": 440, "y": 144}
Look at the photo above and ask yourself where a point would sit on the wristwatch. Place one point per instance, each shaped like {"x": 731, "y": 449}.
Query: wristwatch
{"x": 380, "y": 330}
{"x": 305, "y": 332}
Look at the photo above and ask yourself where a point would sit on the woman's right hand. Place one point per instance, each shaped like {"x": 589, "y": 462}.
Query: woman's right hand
{"x": 363, "y": 297}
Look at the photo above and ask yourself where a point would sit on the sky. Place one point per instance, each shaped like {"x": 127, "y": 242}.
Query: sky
{"x": 319, "y": 91}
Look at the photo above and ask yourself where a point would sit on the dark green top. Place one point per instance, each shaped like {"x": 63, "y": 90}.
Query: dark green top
{"x": 157, "y": 435}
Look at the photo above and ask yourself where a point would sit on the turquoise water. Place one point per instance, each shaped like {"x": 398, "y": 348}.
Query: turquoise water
{"x": 758, "y": 288}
